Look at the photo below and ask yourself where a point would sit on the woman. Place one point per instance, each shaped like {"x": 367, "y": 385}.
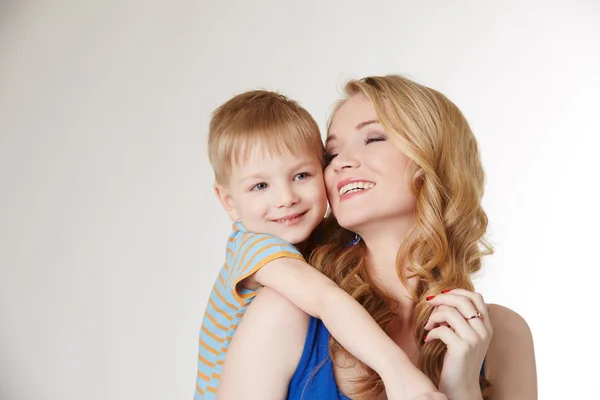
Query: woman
{"x": 405, "y": 184}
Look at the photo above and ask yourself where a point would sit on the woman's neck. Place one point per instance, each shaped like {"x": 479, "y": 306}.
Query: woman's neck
{"x": 382, "y": 251}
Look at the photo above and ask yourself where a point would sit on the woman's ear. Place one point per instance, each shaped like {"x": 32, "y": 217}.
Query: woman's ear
{"x": 227, "y": 201}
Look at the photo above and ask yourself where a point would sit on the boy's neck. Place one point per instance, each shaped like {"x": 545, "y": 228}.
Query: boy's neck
{"x": 304, "y": 248}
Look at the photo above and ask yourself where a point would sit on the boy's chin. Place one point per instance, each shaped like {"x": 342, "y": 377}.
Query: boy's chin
{"x": 296, "y": 238}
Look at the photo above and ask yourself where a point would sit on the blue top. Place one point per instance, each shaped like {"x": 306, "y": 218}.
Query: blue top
{"x": 314, "y": 377}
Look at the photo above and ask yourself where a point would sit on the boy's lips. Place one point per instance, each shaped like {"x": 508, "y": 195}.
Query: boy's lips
{"x": 290, "y": 219}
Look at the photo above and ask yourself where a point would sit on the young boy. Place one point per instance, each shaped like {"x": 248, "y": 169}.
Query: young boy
{"x": 268, "y": 159}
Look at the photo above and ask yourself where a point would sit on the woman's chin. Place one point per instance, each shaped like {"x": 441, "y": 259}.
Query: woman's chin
{"x": 352, "y": 222}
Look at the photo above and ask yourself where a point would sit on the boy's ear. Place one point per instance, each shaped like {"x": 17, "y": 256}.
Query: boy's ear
{"x": 226, "y": 201}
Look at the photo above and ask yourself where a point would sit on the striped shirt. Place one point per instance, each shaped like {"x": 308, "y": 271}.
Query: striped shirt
{"x": 246, "y": 253}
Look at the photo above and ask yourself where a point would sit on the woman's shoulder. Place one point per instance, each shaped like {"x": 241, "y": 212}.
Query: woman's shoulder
{"x": 298, "y": 342}
{"x": 507, "y": 323}
{"x": 272, "y": 333}
{"x": 273, "y": 309}
{"x": 510, "y": 360}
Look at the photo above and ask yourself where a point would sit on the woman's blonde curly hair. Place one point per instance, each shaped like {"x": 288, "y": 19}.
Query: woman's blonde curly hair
{"x": 446, "y": 244}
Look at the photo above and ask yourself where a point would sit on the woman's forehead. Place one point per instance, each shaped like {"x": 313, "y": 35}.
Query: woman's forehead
{"x": 356, "y": 113}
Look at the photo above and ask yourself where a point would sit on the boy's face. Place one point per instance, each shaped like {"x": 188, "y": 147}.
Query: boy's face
{"x": 280, "y": 195}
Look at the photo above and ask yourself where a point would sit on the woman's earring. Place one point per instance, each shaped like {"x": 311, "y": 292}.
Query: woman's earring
{"x": 356, "y": 240}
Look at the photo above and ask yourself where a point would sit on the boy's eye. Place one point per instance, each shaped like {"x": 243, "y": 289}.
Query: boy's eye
{"x": 259, "y": 186}
{"x": 300, "y": 176}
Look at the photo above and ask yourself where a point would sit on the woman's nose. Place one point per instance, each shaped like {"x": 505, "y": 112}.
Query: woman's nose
{"x": 344, "y": 161}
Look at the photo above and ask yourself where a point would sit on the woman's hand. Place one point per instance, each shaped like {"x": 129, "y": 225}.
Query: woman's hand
{"x": 460, "y": 319}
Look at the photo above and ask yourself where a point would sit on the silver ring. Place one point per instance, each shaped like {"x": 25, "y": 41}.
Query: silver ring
{"x": 478, "y": 315}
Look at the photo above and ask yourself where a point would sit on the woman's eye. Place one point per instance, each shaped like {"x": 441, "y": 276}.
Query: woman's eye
{"x": 375, "y": 139}
{"x": 259, "y": 186}
{"x": 329, "y": 157}
{"x": 300, "y": 176}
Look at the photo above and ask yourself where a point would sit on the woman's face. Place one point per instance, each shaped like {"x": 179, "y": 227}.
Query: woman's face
{"x": 366, "y": 179}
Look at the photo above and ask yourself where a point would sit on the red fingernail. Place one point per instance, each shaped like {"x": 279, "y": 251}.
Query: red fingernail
{"x": 425, "y": 337}
{"x": 429, "y": 298}
{"x": 446, "y": 291}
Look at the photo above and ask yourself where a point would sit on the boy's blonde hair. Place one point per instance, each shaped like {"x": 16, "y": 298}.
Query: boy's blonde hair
{"x": 260, "y": 119}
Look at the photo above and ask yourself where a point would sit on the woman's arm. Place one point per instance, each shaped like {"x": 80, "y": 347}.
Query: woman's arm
{"x": 265, "y": 350}
{"x": 510, "y": 362}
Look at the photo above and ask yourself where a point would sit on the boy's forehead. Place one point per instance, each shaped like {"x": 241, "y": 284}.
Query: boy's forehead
{"x": 262, "y": 159}
{"x": 260, "y": 153}
{"x": 264, "y": 153}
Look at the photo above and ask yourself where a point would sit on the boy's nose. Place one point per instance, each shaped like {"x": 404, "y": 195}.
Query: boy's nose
{"x": 288, "y": 198}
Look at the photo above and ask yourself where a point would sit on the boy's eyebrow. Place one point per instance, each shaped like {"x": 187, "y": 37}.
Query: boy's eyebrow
{"x": 253, "y": 176}
{"x": 264, "y": 174}
{"x": 259, "y": 175}
{"x": 301, "y": 164}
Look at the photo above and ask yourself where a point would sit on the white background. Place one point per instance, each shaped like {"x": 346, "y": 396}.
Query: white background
{"x": 110, "y": 235}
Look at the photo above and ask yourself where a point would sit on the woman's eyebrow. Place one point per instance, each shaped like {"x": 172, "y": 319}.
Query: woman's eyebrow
{"x": 330, "y": 138}
{"x": 366, "y": 123}
{"x": 360, "y": 125}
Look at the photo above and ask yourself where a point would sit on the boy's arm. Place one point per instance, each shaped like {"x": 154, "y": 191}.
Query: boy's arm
{"x": 347, "y": 321}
